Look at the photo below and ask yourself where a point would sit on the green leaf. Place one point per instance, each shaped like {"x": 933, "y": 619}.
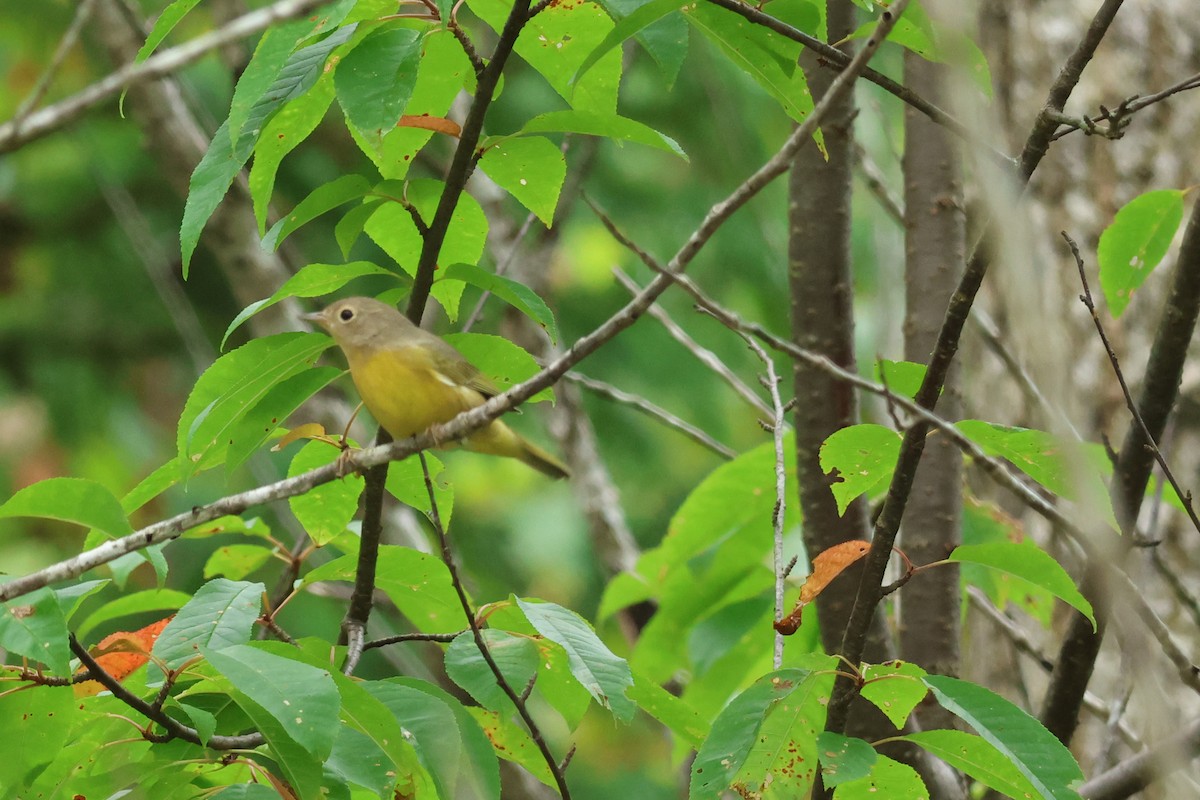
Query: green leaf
{"x": 45, "y": 717}
{"x": 406, "y": 482}
{"x": 161, "y": 600}
{"x": 665, "y": 39}
{"x": 629, "y": 26}
{"x": 557, "y": 41}
{"x": 512, "y": 743}
{"x": 985, "y": 524}
{"x": 418, "y": 583}
{"x": 888, "y": 778}
{"x": 283, "y": 134}
{"x": 301, "y": 698}
{"x": 236, "y": 561}
{"x": 864, "y": 457}
{"x": 766, "y": 736}
{"x": 313, "y": 280}
{"x": 765, "y": 56}
{"x": 78, "y": 500}
{"x": 1028, "y": 563}
{"x": 270, "y": 55}
{"x": 235, "y": 383}
{"x": 901, "y": 377}
{"x": 151, "y": 486}
{"x": 350, "y": 226}
{"x": 449, "y": 741}
{"x": 1134, "y": 244}
{"x": 604, "y": 675}
{"x": 843, "y": 758}
{"x": 35, "y": 627}
{"x": 221, "y": 615}
{"x": 70, "y": 597}
{"x": 592, "y": 123}
{"x": 673, "y": 712}
{"x": 326, "y": 197}
{"x": 516, "y": 656}
{"x": 516, "y": 294}
{"x": 260, "y": 423}
{"x": 505, "y": 363}
{"x": 225, "y": 155}
{"x": 166, "y": 22}
{"x": 895, "y": 688}
{"x": 324, "y": 510}
{"x": 1020, "y": 738}
{"x": 530, "y": 169}
{"x": 364, "y": 713}
{"x": 976, "y": 757}
{"x": 375, "y": 80}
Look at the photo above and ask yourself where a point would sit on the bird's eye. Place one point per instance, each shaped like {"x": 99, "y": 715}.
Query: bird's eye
{"x": 346, "y": 314}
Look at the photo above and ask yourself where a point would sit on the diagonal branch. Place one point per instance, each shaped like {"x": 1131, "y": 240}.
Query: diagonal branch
{"x": 21, "y": 131}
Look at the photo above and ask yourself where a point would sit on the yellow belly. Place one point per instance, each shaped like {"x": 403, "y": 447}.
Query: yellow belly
{"x": 405, "y": 394}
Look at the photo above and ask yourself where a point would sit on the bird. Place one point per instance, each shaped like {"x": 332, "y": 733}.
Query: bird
{"x": 411, "y": 379}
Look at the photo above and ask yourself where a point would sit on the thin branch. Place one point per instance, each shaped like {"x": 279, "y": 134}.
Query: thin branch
{"x": 477, "y": 634}
{"x": 778, "y": 424}
{"x": 1116, "y": 120}
{"x": 1130, "y": 403}
{"x": 65, "y": 45}
{"x": 840, "y": 60}
{"x": 17, "y": 132}
{"x": 1131, "y": 776}
{"x": 657, "y": 413}
{"x": 412, "y": 637}
{"x": 174, "y": 728}
{"x": 705, "y": 356}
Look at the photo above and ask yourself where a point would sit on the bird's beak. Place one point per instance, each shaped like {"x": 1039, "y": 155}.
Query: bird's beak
{"x": 317, "y": 318}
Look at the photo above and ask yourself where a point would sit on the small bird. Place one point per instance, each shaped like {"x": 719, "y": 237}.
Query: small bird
{"x": 410, "y": 379}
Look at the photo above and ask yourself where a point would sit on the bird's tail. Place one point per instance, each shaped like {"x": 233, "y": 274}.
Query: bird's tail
{"x": 500, "y": 440}
{"x": 542, "y": 461}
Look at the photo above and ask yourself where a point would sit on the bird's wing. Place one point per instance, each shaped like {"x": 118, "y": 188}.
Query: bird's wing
{"x": 462, "y": 372}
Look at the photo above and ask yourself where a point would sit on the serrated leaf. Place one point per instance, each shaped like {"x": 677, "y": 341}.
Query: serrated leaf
{"x": 375, "y": 80}
{"x": 603, "y": 674}
{"x": 301, "y": 698}
{"x": 365, "y": 713}
{"x": 282, "y": 134}
{"x": 610, "y": 126}
{"x": 895, "y": 688}
{"x": 163, "y": 25}
{"x": 767, "y": 735}
{"x": 418, "y": 583}
{"x": 78, "y": 500}
{"x": 1134, "y": 244}
{"x": 665, "y": 39}
{"x": 235, "y": 383}
{"x": 507, "y": 364}
{"x": 531, "y": 169}
{"x": 512, "y": 743}
{"x": 35, "y": 627}
{"x": 220, "y": 615}
{"x": 673, "y": 712}
{"x": 864, "y": 456}
{"x": 326, "y": 197}
{"x": 976, "y": 757}
{"x": 516, "y": 656}
{"x": 324, "y": 510}
{"x": 313, "y": 280}
{"x": 260, "y": 423}
{"x": 1020, "y": 738}
{"x": 887, "y": 778}
{"x": 516, "y": 294}
{"x": 843, "y": 758}
{"x": 628, "y": 26}
{"x": 1028, "y": 563}
{"x": 350, "y": 226}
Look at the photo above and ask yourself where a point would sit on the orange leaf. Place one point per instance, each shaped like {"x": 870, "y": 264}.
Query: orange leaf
{"x": 430, "y": 123}
{"x": 121, "y": 653}
{"x": 309, "y": 430}
{"x": 826, "y": 566}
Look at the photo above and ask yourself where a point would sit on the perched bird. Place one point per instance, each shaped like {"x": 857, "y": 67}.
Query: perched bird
{"x": 409, "y": 379}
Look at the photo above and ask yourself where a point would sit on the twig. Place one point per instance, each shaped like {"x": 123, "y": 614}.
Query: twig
{"x": 412, "y": 637}
{"x": 65, "y": 44}
{"x": 1130, "y": 403}
{"x": 610, "y": 392}
{"x": 1185, "y": 597}
{"x": 1118, "y": 119}
{"x": 173, "y": 727}
{"x": 18, "y": 132}
{"x": 778, "y": 424}
{"x": 477, "y": 634}
{"x": 702, "y": 354}
{"x": 1131, "y": 776}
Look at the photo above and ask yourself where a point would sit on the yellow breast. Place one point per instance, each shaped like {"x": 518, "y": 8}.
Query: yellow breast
{"x": 404, "y": 392}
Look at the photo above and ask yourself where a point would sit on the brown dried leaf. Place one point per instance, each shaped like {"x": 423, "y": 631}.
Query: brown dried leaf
{"x": 826, "y": 566}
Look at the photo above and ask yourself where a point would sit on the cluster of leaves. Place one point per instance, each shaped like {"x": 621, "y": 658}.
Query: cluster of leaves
{"x": 756, "y": 729}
